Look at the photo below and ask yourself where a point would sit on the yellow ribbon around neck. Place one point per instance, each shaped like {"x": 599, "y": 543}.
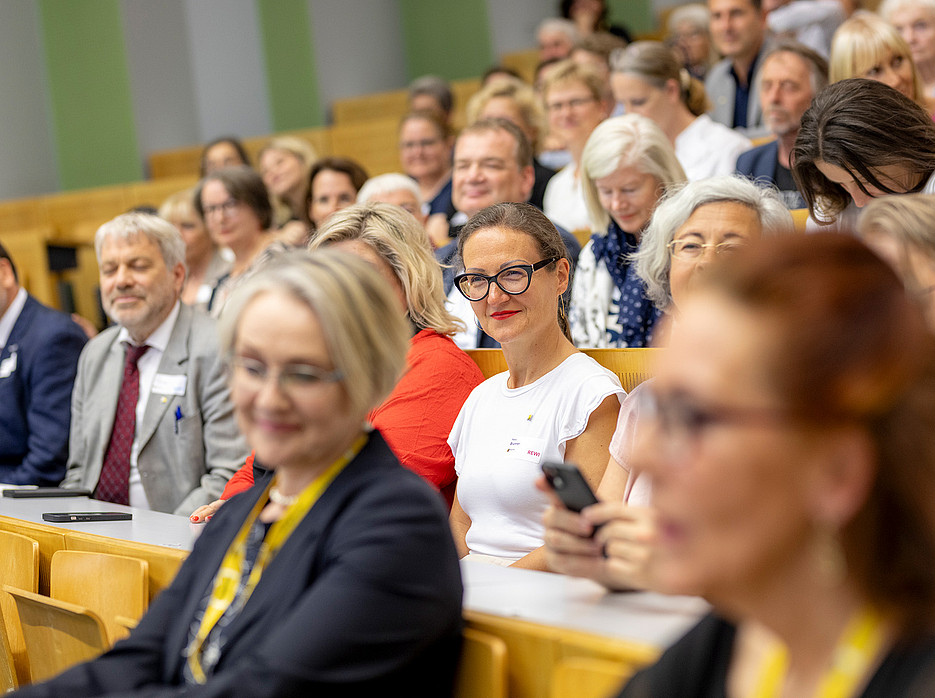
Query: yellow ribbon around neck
{"x": 228, "y": 578}
{"x": 854, "y": 655}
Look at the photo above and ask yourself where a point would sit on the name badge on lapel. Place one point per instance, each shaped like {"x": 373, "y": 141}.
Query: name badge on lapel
{"x": 8, "y": 365}
{"x": 168, "y": 384}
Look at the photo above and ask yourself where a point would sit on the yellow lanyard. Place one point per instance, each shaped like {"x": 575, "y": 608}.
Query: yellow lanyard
{"x": 855, "y": 653}
{"x": 229, "y": 575}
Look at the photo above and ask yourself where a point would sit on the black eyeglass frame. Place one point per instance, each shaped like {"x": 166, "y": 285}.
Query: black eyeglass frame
{"x": 528, "y": 268}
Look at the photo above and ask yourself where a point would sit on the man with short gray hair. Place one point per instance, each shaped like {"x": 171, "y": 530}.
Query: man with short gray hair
{"x": 152, "y": 423}
{"x": 791, "y": 75}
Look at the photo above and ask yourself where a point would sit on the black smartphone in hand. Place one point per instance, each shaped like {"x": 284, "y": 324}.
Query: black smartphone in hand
{"x": 569, "y": 484}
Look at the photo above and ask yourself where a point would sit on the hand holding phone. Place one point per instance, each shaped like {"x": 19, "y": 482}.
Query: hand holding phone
{"x": 569, "y": 484}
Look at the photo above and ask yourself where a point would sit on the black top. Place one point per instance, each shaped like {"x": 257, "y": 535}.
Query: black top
{"x": 696, "y": 667}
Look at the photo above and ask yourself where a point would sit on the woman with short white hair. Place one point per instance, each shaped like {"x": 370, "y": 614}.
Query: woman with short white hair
{"x": 626, "y": 165}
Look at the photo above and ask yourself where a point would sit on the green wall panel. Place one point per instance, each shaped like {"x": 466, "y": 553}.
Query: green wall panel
{"x": 450, "y": 38}
{"x": 636, "y": 15}
{"x": 285, "y": 28}
{"x": 89, "y": 84}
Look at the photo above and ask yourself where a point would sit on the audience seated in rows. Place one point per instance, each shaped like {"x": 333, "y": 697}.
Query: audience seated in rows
{"x": 425, "y": 145}
{"x": 205, "y": 260}
{"x": 515, "y": 101}
{"x": 237, "y": 210}
{"x": 626, "y": 166}
{"x": 226, "y": 151}
{"x": 152, "y": 424}
{"x": 417, "y": 416}
{"x": 791, "y": 76}
{"x": 915, "y": 21}
{"x": 393, "y": 188}
{"x": 284, "y": 164}
{"x": 553, "y": 403}
{"x": 694, "y": 225}
{"x": 866, "y": 46}
{"x": 688, "y": 31}
{"x": 340, "y": 575}
{"x": 333, "y": 184}
{"x": 738, "y": 29}
{"x": 493, "y": 164}
{"x": 39, "y": 350}
{"x": 647, "y": 79}
{"x": 577, "y": 99}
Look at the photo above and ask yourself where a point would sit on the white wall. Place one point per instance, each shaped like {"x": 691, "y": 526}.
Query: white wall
{"x": 358, "y": 47}
{"x": 28, "y": 162}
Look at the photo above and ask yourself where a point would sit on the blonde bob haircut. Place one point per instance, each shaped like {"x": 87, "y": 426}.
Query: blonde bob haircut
{"x": 403, "y": 244}
{"x": 522, "y": 95}
{"x": 626, "y": 141}
{"x": 299, "y": 147}
{"x": 567, "y": 71}
{"x": 366, "y": 335}
{"x": 861, "y": 43}
{"x": 179, "y": 203}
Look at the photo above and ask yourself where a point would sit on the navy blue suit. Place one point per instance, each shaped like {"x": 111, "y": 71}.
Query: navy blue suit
{"x": 760, "y": 164}
{"x": 35, "y": 396}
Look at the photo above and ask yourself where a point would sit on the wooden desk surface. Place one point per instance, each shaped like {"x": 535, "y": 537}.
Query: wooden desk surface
{"x": 543, "y": 618}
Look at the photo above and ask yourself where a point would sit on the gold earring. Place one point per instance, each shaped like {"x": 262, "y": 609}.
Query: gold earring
{"x": 828, "y": 552}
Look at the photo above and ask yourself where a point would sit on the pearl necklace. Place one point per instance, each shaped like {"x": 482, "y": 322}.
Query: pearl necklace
{"x": 282, "y": 500}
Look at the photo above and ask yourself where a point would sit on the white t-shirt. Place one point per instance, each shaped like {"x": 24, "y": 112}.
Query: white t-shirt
{"x": 563, "y": 201}
{"x": 638, "y": 490}
{"x": 501, "y": 437}
{"x": 707, "y": 148}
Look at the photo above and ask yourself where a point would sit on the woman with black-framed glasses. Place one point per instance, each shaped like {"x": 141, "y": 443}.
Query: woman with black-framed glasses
{"x": 553, "y": 404}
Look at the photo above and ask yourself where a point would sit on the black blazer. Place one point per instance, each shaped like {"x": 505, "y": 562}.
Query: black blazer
{"x": 364, "y": 598}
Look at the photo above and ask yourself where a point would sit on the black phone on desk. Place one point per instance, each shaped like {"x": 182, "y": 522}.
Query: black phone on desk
{"x": 30, "y": 492}
{"x": 569, "y": 484}
{"x": 80, "y": 516}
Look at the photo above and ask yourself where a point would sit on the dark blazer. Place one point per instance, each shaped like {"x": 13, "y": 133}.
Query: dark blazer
{"x": 759, "y": 164}
{"x": 364, "y": 598}
{"x": 35, "y": 397}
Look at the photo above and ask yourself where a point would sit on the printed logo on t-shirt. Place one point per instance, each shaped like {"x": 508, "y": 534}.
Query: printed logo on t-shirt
{"x": 527, "y": 448}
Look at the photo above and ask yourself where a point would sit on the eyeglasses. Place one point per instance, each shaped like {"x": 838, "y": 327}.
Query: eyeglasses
{"x": 291, "y": 378}
{"x": 229, "y": 207}
{"x": 575, "y": 103}
{"x": 689, "y": 249}
{"x": 683, "y": 422}
{"x": 512, "y": 280}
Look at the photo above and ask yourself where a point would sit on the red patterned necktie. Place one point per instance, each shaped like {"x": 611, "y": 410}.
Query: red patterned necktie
{"x": 114, "y": 484}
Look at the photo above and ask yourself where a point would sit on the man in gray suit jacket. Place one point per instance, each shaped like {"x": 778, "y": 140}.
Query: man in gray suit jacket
{"x": 738, "y": 29}
{"x": 156, "y": 431}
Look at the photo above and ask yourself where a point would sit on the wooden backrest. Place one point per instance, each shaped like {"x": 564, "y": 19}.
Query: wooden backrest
{"x": 29, "y": 251}
{"x": 58, "y": 635}
{"x": 19, "y": 567}
{"x": 632, "y": 366}
{"x": 19, "y": 561}
{"x": 350, "y": 110}
{"x": 482, "y": 669}
{"x": 108, "y": 585}
{"x": 489, "y": 361}
{"x": 8, "y": 678}
{"x": 523, "y": 62}
{"x": 799, "y": 218}
{"x": 372, "y": 143}
{"x": 588, "y": 677}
